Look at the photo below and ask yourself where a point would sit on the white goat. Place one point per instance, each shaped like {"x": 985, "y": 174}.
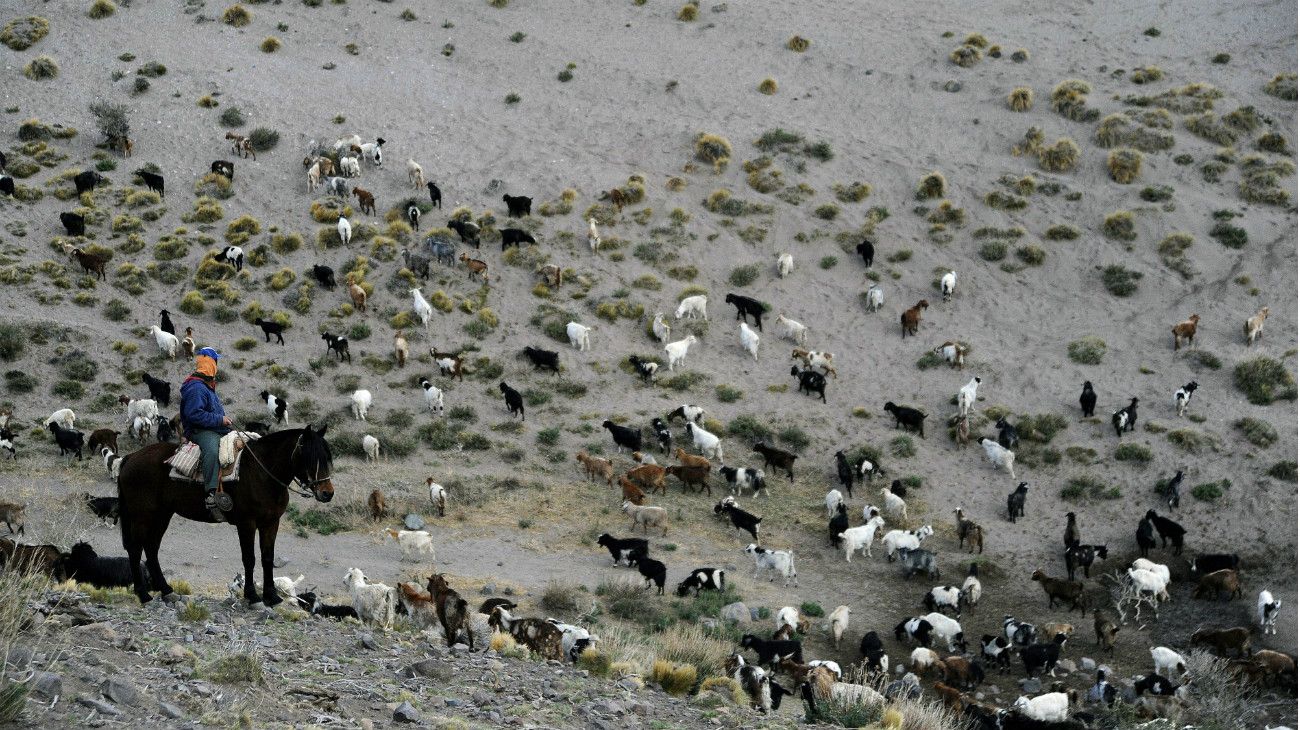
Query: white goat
{"x": 361, "y": 401}
{"x": 1148, "y": 582}
{"x": 1168, "y": 661}
{"x": 415, "y": 174}
{"x": 349, "y": 166}
{"x": 414, "y": 543}
{"x": 948, "y": 284}
{"x": 692, "y": 306}
{"x": 787, "y": 616}
{"x": 370, "y": 445}
{"x": 706, "y": 443}
{"x": 839, "y": 623}
{"x": 895, "y": 507}
{"x": 432, "y": 396}
{"x": 579, "y": 335}
{"x": 1267, "y": 610}
{"x": 1254, "y": 327}
{"x": 784, "y": 264}
{"x": 972, "y": 590}
{"x": 142, "y": 408}
{"x": 438, "y": 496}
{"x": 833, "y": 500}
{"x": 861, "y": 537}
{"x": 875, "y": 298}
{"x": 345, "y": 230}
{"x": 677, "y": 351}
{"x": 793, "y": 330}
{"x": 1050, "y": 707}
{"x": 1001, "y": 458}
{"x": 313, "y": 177}
{"x": 896, "y": 540}
{"x": 422, "y": 308}
{"x": 647, "y": 517}
{"x": 374, "y": 603}
{"x": 967, "y": 396}
{"x": 946, "y": 628}
{"x": 168, "y": 343}
{"x": 593, "y": 235}
{"x": 374, "y": 152}
{"x": 64, "y": 417}
{"x": 953, "y": 353}
{"x": 749, "y": 340}
{"x": 662, "y": 330}
{"x": 776, "y": 562}
{"x": 347, "y": 143}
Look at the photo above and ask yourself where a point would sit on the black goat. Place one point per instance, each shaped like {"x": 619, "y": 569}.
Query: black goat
{"x": 645, "y": 368}
{"x": 810, "y": 382}
{"x": 907, "y": 418}
{"x": 518, "y": 206}
{"x": 153, "y": 181}
{"x": 74, "y": 224}
{"x": 918, "y": 629}
{"x": 105, "y": 508}
{"x": 467, "y": 230}
{"x": 1008, "y": 438}
{"x": 1155, "y": 684}
{"x": 69, "y": 440}
{"x": 1088, "y": 399}
{"x": 84, "y": 566}
{"x": 338, "y": 344}
{"x": 271, "y": 328}
{"x": 867, "y": 251}
{"x": 996, "y": 650}
{"x": 653, "y": 571}
{"x": 163, "y": 430}
{"x": 159, "y": 390}
{"x": 86, "y": 181}
{"x": 844, "y": 471}
{"x": 703, "y": 579}
{"x": 742, "y": 520}
{"x": 514, "y": 401}
{"x": 165, "y": 324}
{"x": 1173, "y": 495}
{"x": 7, "y": 186}
{"x": 1083, "y": 556}
{"x": 1206, "y": 564}
{"x": 316, "y": 607}
{"x": 774, "y": 457}
{"x": 624, "y": 437}
{"x": 873, "y": 651}
{"x": 515, "y": 237}
{"x": 1170, "y": 532}
{"x": 838, "y": 524}
{"x": 1146, "y": 537}
{"x": 662, "y": 434}
{"x": 1016, "y": 502}
{"x": 772, "y": 651}
{"x": 1039, "y": 657}
{"x": 223, "y": 167}
{"x": 746, "y": 307}
{"x": 1126, "y": 418}
{"x": 624, "y": 549}
{"x": 413, "y": 216}
{"x": 543, "y": 359}
{"x": 324, "y": 275}
{"x": 435, "y": 195}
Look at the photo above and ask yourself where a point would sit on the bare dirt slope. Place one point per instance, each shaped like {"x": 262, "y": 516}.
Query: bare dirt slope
{"x": 877, "y": 87}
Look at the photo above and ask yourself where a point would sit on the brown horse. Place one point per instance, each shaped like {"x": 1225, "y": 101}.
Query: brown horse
{"x": 269, "y": 465}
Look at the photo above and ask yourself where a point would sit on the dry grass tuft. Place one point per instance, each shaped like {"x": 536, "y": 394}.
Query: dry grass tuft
{"x": 1062, "y": 156}
{"x": 675, "y": 679}
{"x": 713, "y": 149}
{"x": 1146, "y": 75}
{"x": 101, "y": 9}
{"x": 688, "y": 13}
{"x": 767, "y": 86}
{"x": 1070, "y": 100}
{"x": 20, "y": 34}
{"x": 1032, "y": 144}
{"x": 1119, "y": 225}
{"x": 270, "y": 44}
{"x": 932, "y": 186}
{"x": 966, "y": 56}
{"x": 41, "y": 68}
{"x": 1021, "y": 99}
{"x": 1124, "y": 165}
{"x": 1283, "y": 86}
{"x": 237, "y": 16}
{"x": 798, "y": 44}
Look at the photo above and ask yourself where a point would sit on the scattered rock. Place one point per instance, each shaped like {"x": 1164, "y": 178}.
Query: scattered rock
{"x": 1066, "y": 664}
{"x": 493, "y": 187}
{"x": 1087, "y": 664}
{"x": 1106, "y": 668}
{"x": 488, "y": 589}
{"x": 20, "y": 656}
{"x": 406, "y": 713}
{"x": 101, "y": 631}
{"x": 120, "y": 691}
{"x": 709, "y": 623}
{"x": 737, "y": 612}
{"x": 952, "y": 87}
{"x": 48, "y": 684}
{"x": 100, "y": 706}
{"x": 1031, "y": 686}
{"x": 424, "y": 668}
{"x": 367, "y": 724}
{"x": 280, "y": 562}
{"x": 414, "y": 522}
{"x": 170, "y": 711}
{"x": 719, "y": 8}
{"x": 367, "y": 640}
{"x": 507, "y": 591}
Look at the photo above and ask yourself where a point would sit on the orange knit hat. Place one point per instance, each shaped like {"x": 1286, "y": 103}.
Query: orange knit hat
{"x": 205, "y": 365}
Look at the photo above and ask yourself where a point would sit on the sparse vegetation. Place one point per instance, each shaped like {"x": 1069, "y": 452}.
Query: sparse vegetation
{"x": 1061, "y": 156}
{"x": 1120, "y": 226}
{"x": 101, "y": 9}
{"x": 1087, "y": 351}
{"x": 1137, "y": 453}
{"x": 932, "y": 186}
{"x": 1124, "y": 165}
{"x": 1283, "y": 86}
{"x": 1261, "y": 378}
{"x": 41, "y": 68}
{"x": 713, "y": 149}
{"x": 767, "y": 86}
{"x": 1229, "y": 235}
{"x": 798, "y": 44}
{"x": 270, "y": 44}
{"x": 237, "y": 16}
{"x": 1021, "y": 99}
{"x": 23, "y": 33}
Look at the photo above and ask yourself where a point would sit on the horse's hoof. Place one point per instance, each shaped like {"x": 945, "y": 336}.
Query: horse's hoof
{"x": 144, "y": 598}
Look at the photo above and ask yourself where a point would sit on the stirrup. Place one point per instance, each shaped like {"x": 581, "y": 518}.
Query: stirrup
{"x": 223, "y": 501}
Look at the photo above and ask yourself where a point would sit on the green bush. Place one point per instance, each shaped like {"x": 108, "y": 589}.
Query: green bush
{"x": 1260, "y": 433}
{"x": 794, "y": 437}
{"x": 1061, "y": 232}
{"x": 20, "y": 381}
{"x": 263, "y": 138}
{"x": 993, "y": 251}
{"x": 1261, "y": 378}
{"x": 71, "y": 389}
{"x": 1087, "y": 351}
{"x": 41, "y": 68}
{"x": 728, "y": 393}
{"x": 12, "y": 341}
{"x": 750, "y": 428}
{"x": 1120, "y": 281}
{"x": 1283, "y": 470}
{"x": 1083, "y": 488}
{"x": 22, "y": 33}
{"x": 1133, "y": 452}
{"x": 232, "y": 116}
{"x": 1229, "y": 235}
{"x": 744, "y": 275}
{"x": 1210, "y": 491}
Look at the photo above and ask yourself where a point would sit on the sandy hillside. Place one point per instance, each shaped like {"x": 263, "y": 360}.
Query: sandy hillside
{"x": 874, "y": 99}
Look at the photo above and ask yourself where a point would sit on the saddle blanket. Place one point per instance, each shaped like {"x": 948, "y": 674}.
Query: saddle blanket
{"x": 185, "y": 462}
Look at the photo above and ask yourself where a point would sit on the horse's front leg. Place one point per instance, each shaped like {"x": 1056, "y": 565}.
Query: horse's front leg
{"x": 246, "y": 530}
{"x": 151, "y": 548}
{"x": 134, "y": 547}
{"x": 266, "y": 536}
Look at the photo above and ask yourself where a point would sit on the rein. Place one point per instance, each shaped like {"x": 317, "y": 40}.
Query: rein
{"x": 308, "y": 484}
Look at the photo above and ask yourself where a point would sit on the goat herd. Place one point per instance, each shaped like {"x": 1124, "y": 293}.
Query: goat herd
{"x": 961, "y": 671}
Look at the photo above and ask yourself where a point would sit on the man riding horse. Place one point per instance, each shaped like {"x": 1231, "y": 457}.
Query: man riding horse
{"x": 204, "y": 422}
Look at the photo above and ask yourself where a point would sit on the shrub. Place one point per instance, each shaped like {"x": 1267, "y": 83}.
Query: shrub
{"x": 237, "y": 16}
{"x": 713, "y": 149}
{"x": 1261, "y": 378}
{"x": 675, "y": 679}
{"x": 241, "y": 229}
{"x": 931, "y": 186}
{"x": 1156, "y": 193}
{"x": 1124, "y": 165}
{"x": 1172, "y": 252}
{"x": 1062, "y": 156}
{"x": 71, "y": 389}
{"x": 1061, "y": 232}
{"x": 1283, "y": 86}
{"x": 1283, "y": 470}
{"x": 744, "y": 275}
{"x": 1272, "y": 142}
{"x": 270, "y": 44}
{"x": 1119, "y": 225}
{"x": 1189, "y": 439}
{"x": 1087, "y": 351}
{"x": 993, "y": 251}
{"x": 41, "y": 68}
{"x": 966, "y": 56}
{"x": 749, "y": 427}
{"x": 688, "y": 13}
{"x": 1120, "y": 281}
{"x": 1260, "y": 433}
{"x": 1086, "y": 488}
{"x": 263, "y": 138}
{"x": 1133, "y": 452}
{"x": 1208, "y": 492}
{"x": 112, "y": 120}
{"x": 1031, "y": 255}
{"x": 1021, "y": 99}
{"x": 192, "y": 303}
{"x": 513, "y": 98}
{"x": 827, "y": 211}
{"x": 116, "y": 310}
{"x": 798, "y": 44}
{"x": 101, "y": 9}
{"x": 902, "y": 446}
{"x": 1004, "y": 201}
{"x": 19, "y": 381}
{"x": 1146, "y": 75}
{"x": 728, "y": 393}
{"x": 767, "y": 86}
{"x": 22, "y": 33}
{"x": 854, "y": 193}
{"x": 12, "y": 341}
{"x": 1229, "y": 235}
{"x": 1070, "y": 100}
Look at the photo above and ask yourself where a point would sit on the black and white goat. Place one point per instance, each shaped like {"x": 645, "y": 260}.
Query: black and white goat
{"x": 703, "y": 579}
{"x": 276, "y": 406}
{"x": 662, "y": 434}
{"x": 338, "y": 344}
{"x": 624, "y": 550}
{"x": 645, "y": 368}
{"x": 1183, "y": 396}
{"x": 1125, "y": 419}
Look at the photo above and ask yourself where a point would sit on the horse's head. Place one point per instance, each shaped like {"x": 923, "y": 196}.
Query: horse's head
{"x": 313, "y": 463}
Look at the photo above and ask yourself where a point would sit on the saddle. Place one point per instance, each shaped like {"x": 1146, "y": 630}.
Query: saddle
{"x": 185, "y": 462}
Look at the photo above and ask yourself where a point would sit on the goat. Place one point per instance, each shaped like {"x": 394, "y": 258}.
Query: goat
{"x": 68, "y": 440}
{"x": 1186, "y": 330}
{"x": 579, "y": 335}
{"x": 948, "y": 284}
{"x": 594, "y": 466}
{"x": 543, "y": 359}
{"x": 687, "y": 413}
{"x": 691, "y": 475}
{"x": 361, "y": 400}
{"x": 1254, "y": 327}
{"x": 105, "y": 508}
{"x": 784, "y": 264}
{"x": 11, "y": 513}
{"x": 661, "y": 329}
{"x": 516, "y": 237}
{"x": 917, "y": 561}
{"x": 1170, "y": 532}
{"x": 1218, "y": 582}
{"x": 663, "y": 435}
{"x": 159, "y": 390}
{"x": 467, "y": 230}
{"x": 907, "y": 418}
{"x": 795, "y": 331}
{"x": 83, "y": 565}
{"x": 241, "y": 145}
{"x": 337, "y": 344}
{"x": 810, "y": 381}
{"x": 514, "y": 401}
{"x": 896, "y": 540}
{"x": 538, "y": 635}
{"x": 895, "y": 507}
{"x": 867, "y": 251}
{"x": 911, "y": 318}
{"x": 647, "y": 517}
{"x": 1173, "y": 496}
{"x": 474, "y": 266}
{"x": 649, "y": 477}
{"x": 816, "y": 359}
{"x": 941, "y": 598}
{"x": 518, "y": 206}
{"x": 1088, "y": 399}
{"x": 324, "y": 276}
{"x": 1062, "y": 590}
{"x": 1082, "y": 556}
{"x": 593, "y": 236}
{"x": 708, "y": 444}
{"x": 168, "y": 344}
{"x": 1167, "y": 661}
{"x": 74, "y": 224}
{"x": 999, "y": 457}
{"x": 703, "y": 579}
{"x": 953, "y": 353}
{"x": 1038, "y": 657}
{"x": 1183, "y": 396}
{"x": 1008, "y": 437}
{"x": 1105, "y": 631}
{"x": 677, "y": 351}
{"x": 742, "y": 520}
{"x": 624, "y": 437}
{"x": 432, "y": 396}
{"x": 838, "y": 620}
{"x": 747, "y": 307}
{"x": 370, "y": 446}
{"x": 449, "y": 364}
{"x": 875, "y": 298}
{"x": 776, "y": 562}
{"x": 423, "y": 310}
{"x": 770, "y": 652}
{"x": 749, "y": 340}
{"x": 271, "y": 328}
{"x": 1071, "y": 531}
{"x": 276, "y": 406}
{"x": 365, "y": 199}
{"x": 778, "y": 458}
{"x": 653, "y": 571}
{"x": 1267, "y": 611}
{"x": 1222, "y": 640}
{"x": 1050, "y": 707}
{"x": 414, "y": 174}
{"x": 374, "y": 603}
{"x": 86, "y": 181}
{"x": 873, "y": 651}
{"x": 645, "y": 368}
{"x": 624, "y": 549}
{"x": 860, "y": 537}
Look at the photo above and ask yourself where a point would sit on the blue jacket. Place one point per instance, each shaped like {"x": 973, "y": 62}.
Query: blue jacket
{"x": 200, "y": 407}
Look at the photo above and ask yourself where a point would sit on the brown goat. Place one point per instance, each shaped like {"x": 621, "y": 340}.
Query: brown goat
{"x": 1062, "y": 590}
{"x": 241, "y": 145}
{"x": 551, "y": 274}
{"x": 187, "y": 343}
{"x": 1221, "y": 640}
{"x": 1051, "y": 630}
{"x": 475, "y": 266}
{"x": 631, "y": 492}
{"x": 594, "y": 466}
{"x": 1220, "y": 581}
{"x": 357, "y": 293}
{"x": 1276, "y": 666}
{"x": 42, "y": 558}
{"x": 455, "y": 371}
{"x": 378, "y": 508}
{"x": 911, "y": 319}
{"x": 1105, "y": 630}
{"x": 962, "y": 672}
{"x": 452, "y": 610}
{"x": 91, "y": 262}
{"x": 798, "y": 672}
{"x": 963, "y": 430}
{"x": 101, "y": 437}
{"x": 538, "y": 635}
{"x": 649, "y": 477}
{"x": 1186, "y": 330}
{"x": 618, "y": 198}
{"x": 950, "y": 696}
{"x": 976, "y": 538}
{"x": 1254, "y": 327}
{"x": 401, "y": 348}
{"x": 418, "y": 604}
{"x": 964, "y": 527}
{"x": 690, "y": 459}
{"x": 366, "y": 199}
{"x": 688, "y": 475}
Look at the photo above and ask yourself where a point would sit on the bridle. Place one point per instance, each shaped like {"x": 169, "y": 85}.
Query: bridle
{"x": 308, "y": 488}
